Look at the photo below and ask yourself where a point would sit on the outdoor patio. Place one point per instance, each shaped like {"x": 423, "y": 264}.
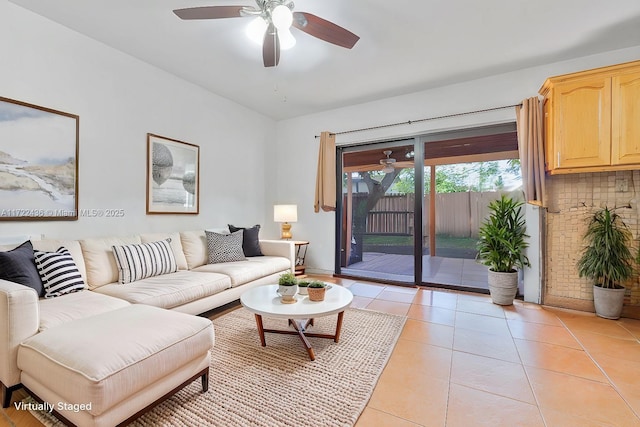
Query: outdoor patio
{"x": 436, "y": 270}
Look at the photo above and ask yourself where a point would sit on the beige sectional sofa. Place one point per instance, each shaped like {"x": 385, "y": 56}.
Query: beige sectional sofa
{"x": 195, "y": 288}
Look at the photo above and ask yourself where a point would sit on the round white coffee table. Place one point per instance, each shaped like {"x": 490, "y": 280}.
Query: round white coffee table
{"x": 264, "y": 301}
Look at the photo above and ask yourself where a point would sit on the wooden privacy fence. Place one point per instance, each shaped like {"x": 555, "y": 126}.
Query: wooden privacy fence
{"x": 457, "y": 214}
{"x": 392, "y": 215}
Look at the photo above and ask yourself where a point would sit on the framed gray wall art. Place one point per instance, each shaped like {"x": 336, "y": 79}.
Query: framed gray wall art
{"x": 173, "y": 176}
{"x": 38, "y": 162}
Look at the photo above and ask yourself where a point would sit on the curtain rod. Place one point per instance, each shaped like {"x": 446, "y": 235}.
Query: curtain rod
{"x": 410, "y": 122}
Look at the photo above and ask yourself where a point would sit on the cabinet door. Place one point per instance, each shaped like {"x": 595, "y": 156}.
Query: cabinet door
{"x": 582, "y": 123}
{"x": 550, "y": 161}
{"x": 625, "y": 119}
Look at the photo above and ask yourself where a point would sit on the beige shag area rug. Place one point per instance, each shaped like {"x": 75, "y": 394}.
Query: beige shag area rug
{"x": 277, "y": 385}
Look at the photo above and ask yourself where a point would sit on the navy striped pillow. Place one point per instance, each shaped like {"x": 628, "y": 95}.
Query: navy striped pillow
{"x": 137, "y": 262}
{"x": 58, "y": 272}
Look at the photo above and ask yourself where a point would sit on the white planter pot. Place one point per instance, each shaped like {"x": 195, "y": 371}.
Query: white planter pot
{"x": 503, "y": 287}
{"x": 288, "y": 293}
{"x": 608, "y": 302}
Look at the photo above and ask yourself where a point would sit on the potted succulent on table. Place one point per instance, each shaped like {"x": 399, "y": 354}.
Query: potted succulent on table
{"x": 501, "y": 247}
{"x": 287, "y": 288}
{"x": 316, "y": 290}
{"x": 302, "y": 286}
{"x": 607, "y": 260}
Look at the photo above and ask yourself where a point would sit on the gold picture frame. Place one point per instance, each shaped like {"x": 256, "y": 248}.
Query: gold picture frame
{"x": 173, "y": 176}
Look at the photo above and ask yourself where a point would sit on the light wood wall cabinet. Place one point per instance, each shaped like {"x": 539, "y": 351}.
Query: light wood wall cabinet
{"x": 592, "y": 120}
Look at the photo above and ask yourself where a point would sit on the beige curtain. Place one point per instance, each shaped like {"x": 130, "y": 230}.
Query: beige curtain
{"x": 530, "y": 145}
{"x": 326, "y": 177}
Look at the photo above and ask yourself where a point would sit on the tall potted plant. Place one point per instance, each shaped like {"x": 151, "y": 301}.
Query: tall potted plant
{"x": 501, "y": 245}
{"x": 607, "y": 259}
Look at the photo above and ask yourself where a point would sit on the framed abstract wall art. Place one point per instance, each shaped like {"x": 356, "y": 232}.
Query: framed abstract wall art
{"x": 173, "y": 176}
{"x": 38, "y": 162}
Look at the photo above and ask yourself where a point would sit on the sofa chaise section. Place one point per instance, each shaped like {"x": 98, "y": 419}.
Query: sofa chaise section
{"x": 105, "y": 369}
{"x": 24, "y": 315}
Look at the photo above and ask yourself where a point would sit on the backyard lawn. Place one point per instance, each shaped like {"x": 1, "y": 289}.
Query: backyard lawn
{"x": 446, "y": 246}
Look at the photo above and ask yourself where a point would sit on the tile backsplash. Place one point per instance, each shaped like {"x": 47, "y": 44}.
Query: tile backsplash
{"x": 570, "y": 201}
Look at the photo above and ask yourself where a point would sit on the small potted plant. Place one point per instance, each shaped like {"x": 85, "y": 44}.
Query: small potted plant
{"x": 302, "y": 286}
{"x": 607, "y": 260}
{"x": 287, "y": 288}
{"x": 501, "y": 247}
{"x": 316, "y": 290}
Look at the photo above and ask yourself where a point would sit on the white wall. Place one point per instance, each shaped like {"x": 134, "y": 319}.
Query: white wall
{"x": 297, "y": 142}
{"x": 119, "y": 100}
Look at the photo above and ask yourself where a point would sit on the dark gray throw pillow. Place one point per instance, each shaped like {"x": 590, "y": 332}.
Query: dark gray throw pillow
{"x": 250, "y": 240}
{"x": 19, "y": 266}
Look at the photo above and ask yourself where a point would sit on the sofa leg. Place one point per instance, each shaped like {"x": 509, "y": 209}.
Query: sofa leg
{"x": 6, "y": 394}
{"x": 205, "y": 381}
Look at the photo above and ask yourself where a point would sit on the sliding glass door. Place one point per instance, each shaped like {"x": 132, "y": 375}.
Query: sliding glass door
{"x": 409, "y": 222}
{"x": 378, "y": 212}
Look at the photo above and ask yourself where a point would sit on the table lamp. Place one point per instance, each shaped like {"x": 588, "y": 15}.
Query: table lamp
{"x": 285, "y": 214}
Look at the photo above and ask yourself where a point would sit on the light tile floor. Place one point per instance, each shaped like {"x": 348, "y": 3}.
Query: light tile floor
{"x": 463, "y": 361}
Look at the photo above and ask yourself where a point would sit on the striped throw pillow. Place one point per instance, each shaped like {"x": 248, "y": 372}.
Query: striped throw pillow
{"x": 58, "y": 272}
{"x": 136, "y": 262}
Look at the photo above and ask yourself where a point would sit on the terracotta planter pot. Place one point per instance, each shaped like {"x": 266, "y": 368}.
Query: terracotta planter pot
{"x": 503, "y": 287}
{"x": 608, "y": 302}
{"x": 316, "y": 294}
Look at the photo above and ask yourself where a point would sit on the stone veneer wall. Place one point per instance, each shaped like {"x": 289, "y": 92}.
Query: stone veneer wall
{"x": 571, "y": 199}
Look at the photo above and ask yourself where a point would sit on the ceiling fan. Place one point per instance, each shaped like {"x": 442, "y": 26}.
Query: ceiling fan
{"x": 388, "y": 162}
{"x": 273, "y": 19}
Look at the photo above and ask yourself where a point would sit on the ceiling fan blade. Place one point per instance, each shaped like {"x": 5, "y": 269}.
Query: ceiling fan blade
{"x": 324, "y": 30}
{"x": 209, "y": 12}
{"x": 271, "y": 47}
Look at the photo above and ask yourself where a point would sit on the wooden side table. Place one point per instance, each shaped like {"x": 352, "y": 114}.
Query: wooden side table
{"x": 301, "y": 254}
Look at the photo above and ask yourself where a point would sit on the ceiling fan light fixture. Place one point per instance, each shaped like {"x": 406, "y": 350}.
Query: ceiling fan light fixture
{"x": 271, "y": 17}
{"x": 256, "y": 29}
{"x": 387, "y": 169}
{"x": 388, "y": 162}
{"x": 282, "y": 17}
{"x": 287, "y": 41}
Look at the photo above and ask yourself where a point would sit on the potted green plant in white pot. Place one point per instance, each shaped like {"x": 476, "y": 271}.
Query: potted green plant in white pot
{"x": 303, "y": 286}
{"x": 501, "y": 246}
{"x": 607, "y": 259}
{"x": 287, "y": 288}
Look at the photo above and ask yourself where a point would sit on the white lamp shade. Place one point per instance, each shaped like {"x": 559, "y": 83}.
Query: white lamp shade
{"x": 256, "y": 29}
{"x": 282, "y": 17}
{"x": 285, "y": 213}
{"x": 287, "y": 41}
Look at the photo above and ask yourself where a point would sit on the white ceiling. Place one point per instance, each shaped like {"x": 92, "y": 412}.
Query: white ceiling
{"x": 405, "y": 45}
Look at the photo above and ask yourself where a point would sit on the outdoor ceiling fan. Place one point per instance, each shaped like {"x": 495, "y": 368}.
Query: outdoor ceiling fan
{"x": 388, "y": 162}
{"x": 271, "y": 25}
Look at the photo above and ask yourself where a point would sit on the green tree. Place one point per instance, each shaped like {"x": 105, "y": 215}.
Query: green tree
{"x": 450, "y": 179}
{"x": 362, "y": 206}
{"x": 405, "y": 183}
{"x": 487, "y": 173}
